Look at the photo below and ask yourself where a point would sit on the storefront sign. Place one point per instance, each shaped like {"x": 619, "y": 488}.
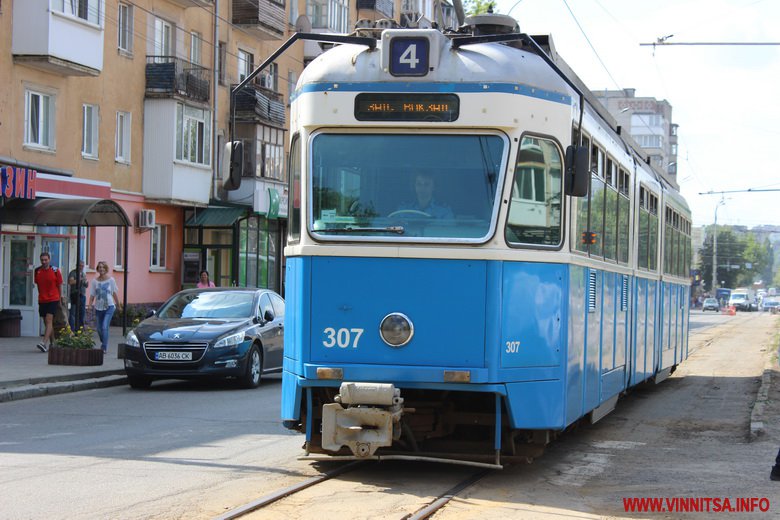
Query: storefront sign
{"x": 18, "y": 182}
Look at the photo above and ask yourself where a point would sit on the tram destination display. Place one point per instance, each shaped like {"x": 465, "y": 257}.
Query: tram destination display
{"x": 407, "y": 107}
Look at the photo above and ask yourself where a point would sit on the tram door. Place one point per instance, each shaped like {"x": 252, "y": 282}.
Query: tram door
{"x": 20, "y": 261}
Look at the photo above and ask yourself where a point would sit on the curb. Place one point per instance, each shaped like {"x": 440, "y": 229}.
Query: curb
{"x": 59, "y": 387}
{"x": 757, "y": 414}
{"x": 96, "y": 374}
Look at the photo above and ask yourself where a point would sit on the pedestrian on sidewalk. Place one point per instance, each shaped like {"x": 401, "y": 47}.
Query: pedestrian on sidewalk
{"x": 77, "y": 280}
{"x": 103, "y": 298}
{"x": 775, "y": 475}
{"x": 48, "y": 279}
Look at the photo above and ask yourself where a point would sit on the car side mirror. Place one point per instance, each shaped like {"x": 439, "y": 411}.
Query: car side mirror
{"x": 268, "y": 316}
{"x": 150, "y": 314}
{"x": 577, "y": 174}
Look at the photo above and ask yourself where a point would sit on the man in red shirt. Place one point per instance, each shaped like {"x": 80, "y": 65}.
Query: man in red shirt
{"x": 48, "y": 279}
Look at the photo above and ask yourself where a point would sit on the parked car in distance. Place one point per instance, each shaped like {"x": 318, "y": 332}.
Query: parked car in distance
{"x": 771, "y": 305}
{"x": 710, "y": 304}
{"x": 218, "y": 332}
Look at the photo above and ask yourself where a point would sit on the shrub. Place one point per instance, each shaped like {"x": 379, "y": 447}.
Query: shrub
{"x": 81, "y": 339}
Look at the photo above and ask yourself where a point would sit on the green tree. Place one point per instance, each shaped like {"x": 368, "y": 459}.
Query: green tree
{"x": 472, "y": 7}
{"x": 758, "y": 261}
{"x": 730, "y": 253}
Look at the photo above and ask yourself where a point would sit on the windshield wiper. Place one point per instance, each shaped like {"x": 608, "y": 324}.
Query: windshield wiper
{"x": 350, "y": 229}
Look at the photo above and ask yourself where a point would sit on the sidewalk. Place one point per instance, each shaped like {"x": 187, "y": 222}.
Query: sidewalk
{"x": 25, "y": 372}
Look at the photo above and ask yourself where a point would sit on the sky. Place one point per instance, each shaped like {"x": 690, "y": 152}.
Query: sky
{"x": 725, "y": 99}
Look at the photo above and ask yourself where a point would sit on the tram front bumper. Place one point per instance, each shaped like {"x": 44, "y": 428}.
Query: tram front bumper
{"x": 365, "y": 417}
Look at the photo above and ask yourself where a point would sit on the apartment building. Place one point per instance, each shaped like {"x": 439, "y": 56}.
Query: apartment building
{"x": 116, "y": 112}
{"x": 649, "y": 122}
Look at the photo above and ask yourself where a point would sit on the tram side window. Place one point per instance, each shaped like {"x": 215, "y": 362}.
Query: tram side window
{"x": 677, "y": 244}
{"x": 648, "y": 229}
{"x": 535, "y": 209}
{"x": 583, "y": 211}
{"x": 611, "y": 212}
{"x": 294, "y": 200}
{"x": 597, "y": 201}
{"x": 624, "y": 220}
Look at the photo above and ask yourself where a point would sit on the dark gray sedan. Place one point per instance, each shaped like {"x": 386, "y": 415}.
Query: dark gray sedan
{"x": 224, "y": 332}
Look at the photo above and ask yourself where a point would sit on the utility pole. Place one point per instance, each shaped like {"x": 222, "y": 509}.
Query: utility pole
{"x": 715, "y": 249}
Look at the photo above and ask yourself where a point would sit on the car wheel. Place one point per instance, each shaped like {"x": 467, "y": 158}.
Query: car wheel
{"x": 254, "y": 367}
{"x": 139, "y": 382}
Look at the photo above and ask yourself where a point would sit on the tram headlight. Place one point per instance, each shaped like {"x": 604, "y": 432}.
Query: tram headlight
{"x": 396, "y": 329}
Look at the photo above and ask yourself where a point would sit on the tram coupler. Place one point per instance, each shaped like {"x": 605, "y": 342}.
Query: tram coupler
{"x": 365, "y": 417}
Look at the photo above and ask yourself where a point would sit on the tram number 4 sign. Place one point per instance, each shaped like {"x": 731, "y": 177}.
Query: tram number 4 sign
{"x": 409, "y": 56}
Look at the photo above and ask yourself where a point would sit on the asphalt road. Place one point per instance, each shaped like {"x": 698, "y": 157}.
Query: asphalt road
{"x": 187, "y": 450}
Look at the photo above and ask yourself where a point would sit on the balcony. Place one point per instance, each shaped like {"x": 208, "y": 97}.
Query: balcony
{"x": 168, "y": 76}
{"x": 265, "y": 17}
{"x": 383, "y": 8}
{"x": 171, "y": 177}
{"x": 193, "y": 3}
{"x": 57, "y": 41}
{"x": 260, "y": 105}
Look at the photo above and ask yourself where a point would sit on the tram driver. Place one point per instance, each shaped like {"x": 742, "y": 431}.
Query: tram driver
{"x": 424, "y": 202}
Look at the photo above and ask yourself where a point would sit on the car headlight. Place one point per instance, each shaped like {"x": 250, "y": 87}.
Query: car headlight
{"x": 230, "y": 341}
{"x": 131, "y": 340}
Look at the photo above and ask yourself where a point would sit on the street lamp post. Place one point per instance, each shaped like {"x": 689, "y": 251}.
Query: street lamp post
{"x": 715, "y": 249}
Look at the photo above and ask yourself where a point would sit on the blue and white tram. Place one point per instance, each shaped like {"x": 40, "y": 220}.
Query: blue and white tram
{"x": 535, "y": 273}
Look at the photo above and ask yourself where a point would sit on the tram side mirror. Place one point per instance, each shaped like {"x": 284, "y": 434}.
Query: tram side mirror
{"x": 577, "y": 174}
{"x": 233, "y": 165}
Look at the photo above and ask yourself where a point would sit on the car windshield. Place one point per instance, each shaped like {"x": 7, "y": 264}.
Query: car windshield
{"x": 209, "y": 304}
{"x": 710, "y": 300}
{"x": 420, "y": 187}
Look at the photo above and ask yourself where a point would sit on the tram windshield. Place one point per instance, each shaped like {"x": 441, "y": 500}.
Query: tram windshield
{"x": 424, "y": 187}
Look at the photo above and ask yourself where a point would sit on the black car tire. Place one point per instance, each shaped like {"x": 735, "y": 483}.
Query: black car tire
{"x": 139, "y": 382}
{"x": 254, "y": 369}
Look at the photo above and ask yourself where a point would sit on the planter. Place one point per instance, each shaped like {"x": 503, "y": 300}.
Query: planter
{"x": 73, "y": 356}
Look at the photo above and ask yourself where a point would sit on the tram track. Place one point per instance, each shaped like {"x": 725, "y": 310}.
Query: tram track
{"x": 271, "y": 498}
{"x": 435, "y": 504}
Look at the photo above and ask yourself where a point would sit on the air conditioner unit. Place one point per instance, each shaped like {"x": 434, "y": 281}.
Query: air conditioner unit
{"x": 146, "y": 219}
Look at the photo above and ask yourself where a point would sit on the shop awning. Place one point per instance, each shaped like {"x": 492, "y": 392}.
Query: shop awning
{"x": 63, "y": 212}
{"x": 216, "y": 217}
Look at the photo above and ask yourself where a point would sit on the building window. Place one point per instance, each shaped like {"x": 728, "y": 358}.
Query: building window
{"x": 291, "y": 82}
{"x": 649, "y": 141}
{"x": 195, "y": 47}
{"x": 162, "y": 38}
{"x": 125, "y": 27}
{"x": 119, "y": 249}
{"x": 88, "y": 10}
{"x": 246, "y": 63}
{"x": 38, "y": 119}
{"x": 158, "y": 243}
{"x": 270, "y": 153}
{"x": 193, "y": 134}
{"x": 123, "y": 121}
{"x": 89, "y": 138}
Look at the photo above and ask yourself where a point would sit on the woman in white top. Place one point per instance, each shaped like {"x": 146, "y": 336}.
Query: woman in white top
{"x": 102, "y": 295}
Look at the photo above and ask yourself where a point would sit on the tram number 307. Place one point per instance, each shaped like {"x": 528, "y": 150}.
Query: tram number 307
{"x": 512, "y": 347}
{"x": 344, "y": 338}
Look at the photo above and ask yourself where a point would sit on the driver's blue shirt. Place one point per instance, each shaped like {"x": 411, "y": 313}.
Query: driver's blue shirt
{"x": 433, "y": 209}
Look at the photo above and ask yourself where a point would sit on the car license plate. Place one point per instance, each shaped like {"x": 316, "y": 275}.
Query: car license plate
{"x": 173, "y": 356}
